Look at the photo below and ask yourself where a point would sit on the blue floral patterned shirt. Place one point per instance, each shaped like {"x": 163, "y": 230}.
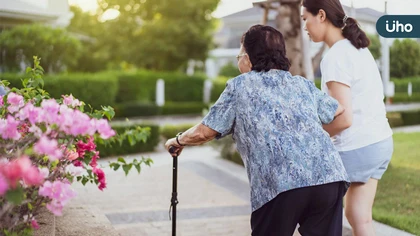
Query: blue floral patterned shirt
{"x": 276, "y": 121}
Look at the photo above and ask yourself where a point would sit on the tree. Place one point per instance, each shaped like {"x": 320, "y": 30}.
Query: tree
{"x": 288, "y": 22}
{"x": 160, "y": 34}
{"x": 55, "y": 46}
{"x": 404, "y": 57}
{"x": 91, "y": 31}
{"x": 375, "y": 46}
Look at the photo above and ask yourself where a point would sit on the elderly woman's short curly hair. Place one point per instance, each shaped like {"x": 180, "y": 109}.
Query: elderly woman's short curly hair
{"x": 265, "y": 48}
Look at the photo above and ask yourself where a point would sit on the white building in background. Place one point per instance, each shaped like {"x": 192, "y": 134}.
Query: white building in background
{"x": 51, "y": 12}
{"x": 233, "y": 26}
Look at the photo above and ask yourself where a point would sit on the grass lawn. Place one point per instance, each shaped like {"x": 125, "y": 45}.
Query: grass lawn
{"x": 397, "y": 200}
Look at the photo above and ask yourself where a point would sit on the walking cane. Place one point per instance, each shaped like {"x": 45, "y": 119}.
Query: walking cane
{"x": 174, "y": 199}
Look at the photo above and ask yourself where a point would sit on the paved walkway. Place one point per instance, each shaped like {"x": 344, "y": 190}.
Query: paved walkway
{"x": 213, "y": 197}
{"x": 407, "y": 129}
{"x": 402, "y": 107}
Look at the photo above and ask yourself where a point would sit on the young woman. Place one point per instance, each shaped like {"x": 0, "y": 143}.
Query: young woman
{"x": 362, "y": 134}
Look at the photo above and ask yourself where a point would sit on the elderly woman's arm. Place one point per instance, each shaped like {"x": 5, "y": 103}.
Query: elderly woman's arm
{"x": 196, "y": 135}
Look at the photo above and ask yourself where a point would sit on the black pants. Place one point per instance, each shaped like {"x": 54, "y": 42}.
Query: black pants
{"x": 318, "y": 210}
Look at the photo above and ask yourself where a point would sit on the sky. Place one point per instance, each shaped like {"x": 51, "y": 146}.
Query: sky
{"x": 226, "y": 7}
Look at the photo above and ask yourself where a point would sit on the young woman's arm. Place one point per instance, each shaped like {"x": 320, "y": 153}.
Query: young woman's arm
{"x": 342, "y": 93}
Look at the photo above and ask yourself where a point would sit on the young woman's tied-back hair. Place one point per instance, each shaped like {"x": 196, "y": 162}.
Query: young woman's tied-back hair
{"x": 337, "y": 16}
{"x": 265, "y": 48}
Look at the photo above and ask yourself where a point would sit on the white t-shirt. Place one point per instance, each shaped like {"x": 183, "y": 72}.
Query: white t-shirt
{"x": 357, "y": 68}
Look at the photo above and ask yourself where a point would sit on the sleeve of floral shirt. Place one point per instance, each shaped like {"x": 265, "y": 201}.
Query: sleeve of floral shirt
{"x": 221, "y": 116}
{"x": 326, "y": 105}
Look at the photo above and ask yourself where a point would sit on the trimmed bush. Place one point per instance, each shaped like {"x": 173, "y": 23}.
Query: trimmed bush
{"x": 404, "y": 118}
{"x": 411, "y": 117}
{"x": 169, "y": 131}
{"x": 126, "y": 148}
{"x": 216, "y": 90}
{"x": 94, "y": 89}
{"x": 229, "y": 70}
{"x": 404, "y": 98}
{"x": 141, "y": 86}
{"x": 183, "y": 108}
{"x": 395, "y": 119}
{"x": 136, "y": 87}
{"x": 401, "y": 85}
{"x": 138, "y": 109}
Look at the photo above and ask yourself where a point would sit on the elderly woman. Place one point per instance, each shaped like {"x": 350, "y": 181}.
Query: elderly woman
{"x": 296, "y": 175}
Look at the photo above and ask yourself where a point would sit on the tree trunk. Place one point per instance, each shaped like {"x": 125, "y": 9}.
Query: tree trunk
{"x": 289, "y": 24}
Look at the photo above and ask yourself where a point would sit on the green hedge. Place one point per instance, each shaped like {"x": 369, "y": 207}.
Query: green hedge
{"x": 216, "y": 90}
{"x": 138, "y": 109}
{"x": 94, "y": 89}
{"x": 401, "y": 85}
{"x": 404, "y": 118}
{"x": 126, "y": 148}
{"x": 180, "y": 108}
{"x": 404, "y": 98}
{"x": 169, "y": 131}
{"x": 411, "y": 117}
{"x": 141, "y": 86}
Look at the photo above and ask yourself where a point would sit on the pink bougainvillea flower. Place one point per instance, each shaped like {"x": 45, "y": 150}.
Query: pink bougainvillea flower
{"x": 16, "y": 102}
{"x": 30, "y": 174}
{"x": 104, "y": 129}
{"x": 31, "y": 113}
{"x": 35, "y": 130}
{"x": 34, "y": 224}
{"x": 78, "y": 163}
{"x": 85, "y": 147}
{"x": 60, "y": 194}
{"x": 95, "y": 157}
{"x": 101, "y": 178}
{"x": 12, "y": 172}
{"x": 48, "y": 147}
{"x": 74, "y": 170}
{"x": 1, "y": 101}
{"x": 71, "y": 155}
{"x": 71, "y": 101}
{"x": 81, "y": 124}
{"x": 45, "y": 172}
{"x": 9, "y": 128}
{"x": 50, "y": 110}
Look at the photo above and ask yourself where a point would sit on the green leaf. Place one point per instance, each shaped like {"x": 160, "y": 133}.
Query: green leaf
{"x": 147, "y": 161}
{"x": 78, "y": 178}
{"x": 120, "y": 159}
{"x": 15, "y": 196}
{"x": 54, "y": 163}
{"x": 108, "y": 112}
{"x": 28, "y": 69}
{"x": 84, "y": 180}
{"x": 115, "y": 166}
{"x": 30, "y": 207}
{"x": 138, "y": 167}
{"x": 131, "y": 140}
{"x": 127, "y": 168}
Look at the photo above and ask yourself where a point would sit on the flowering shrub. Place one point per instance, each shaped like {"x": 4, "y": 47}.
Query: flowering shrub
{"x": 46, "y": 145}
